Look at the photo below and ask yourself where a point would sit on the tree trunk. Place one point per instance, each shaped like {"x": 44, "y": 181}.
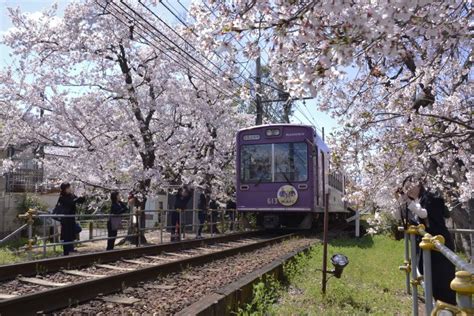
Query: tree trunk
{"x": 132, "y": 228}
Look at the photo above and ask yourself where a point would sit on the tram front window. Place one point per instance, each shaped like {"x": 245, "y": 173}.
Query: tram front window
{"x": 256, "y": 163}
{"x": 290, "y": 163}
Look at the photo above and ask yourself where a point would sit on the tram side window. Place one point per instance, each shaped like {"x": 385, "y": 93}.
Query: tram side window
{"x": 256, "y": 163}
{"x": 291, "y": 162}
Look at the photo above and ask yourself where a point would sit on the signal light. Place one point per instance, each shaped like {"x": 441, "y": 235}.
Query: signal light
{"x": 272, "y": 132}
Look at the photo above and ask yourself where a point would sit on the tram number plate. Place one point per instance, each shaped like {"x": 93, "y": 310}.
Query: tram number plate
{"x": 272, "y": 201}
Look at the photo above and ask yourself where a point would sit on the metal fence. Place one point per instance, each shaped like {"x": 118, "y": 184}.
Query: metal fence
{"x": 44, "y": 228}
{"x": 462, "y": 284}
{"x": 26, "y": 177}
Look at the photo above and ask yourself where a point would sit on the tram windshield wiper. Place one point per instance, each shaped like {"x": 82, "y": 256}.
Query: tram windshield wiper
{"x": 285, "y": 176}
{"x": 260, "y": 180}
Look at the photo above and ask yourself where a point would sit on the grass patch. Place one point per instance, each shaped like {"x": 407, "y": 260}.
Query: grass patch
{"x": 7, "y": 256}
{"x": 14, "y": 252}
{"x": 370, "y": 285}
{"x": 265, "y": 294}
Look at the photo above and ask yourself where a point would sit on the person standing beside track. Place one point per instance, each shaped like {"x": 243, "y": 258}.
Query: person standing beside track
{"x": 213, "y": 207}
{"x": 433, "y": 207}
{"x": 67, "y": 206}
{"x": 180, "y": 203}
{"x": 203, "y": 206}
{"x": 114, "y": 222}
{"x": 231, "y": 207}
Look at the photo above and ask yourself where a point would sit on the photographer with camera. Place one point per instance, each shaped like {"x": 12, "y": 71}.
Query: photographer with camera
{"x": 419, "y": 205}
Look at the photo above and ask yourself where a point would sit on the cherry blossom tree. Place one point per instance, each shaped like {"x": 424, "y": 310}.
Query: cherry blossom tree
{"x": 394, "y": 73}
{"x": 112, "y": 109}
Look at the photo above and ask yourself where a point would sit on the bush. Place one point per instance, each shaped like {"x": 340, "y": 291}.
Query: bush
{"x": 28, "y": 202}
{"x": 384, "y": 223}
{"x": 7, "y": 256}
{"x": 31, "y": 202}
{"x": 265, "y": 294}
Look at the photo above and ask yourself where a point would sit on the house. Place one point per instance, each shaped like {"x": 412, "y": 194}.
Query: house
{"x": 26, "y": 177}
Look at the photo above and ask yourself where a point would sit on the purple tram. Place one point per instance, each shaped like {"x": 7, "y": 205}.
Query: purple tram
{"x": 283, "y": 173}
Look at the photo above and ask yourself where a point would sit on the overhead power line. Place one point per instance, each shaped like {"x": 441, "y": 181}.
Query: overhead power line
{"x": 171, "y": 50}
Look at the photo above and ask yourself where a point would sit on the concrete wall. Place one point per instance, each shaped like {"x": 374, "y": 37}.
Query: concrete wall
{"x": 9, "y": 208}
{"x": 9, "y": 211}
{"x": 50, "y": 199}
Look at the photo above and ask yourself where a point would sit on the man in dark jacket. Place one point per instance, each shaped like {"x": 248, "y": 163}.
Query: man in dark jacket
{"x": 180, "y": 203}
{"x": 231, "y": 207}
{"x": 67, "y": 206}
{"x": 214, "y": 206}
{"x": 113, "y": 224}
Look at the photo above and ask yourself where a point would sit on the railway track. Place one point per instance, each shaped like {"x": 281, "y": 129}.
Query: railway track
{"x": 47, "y": 285}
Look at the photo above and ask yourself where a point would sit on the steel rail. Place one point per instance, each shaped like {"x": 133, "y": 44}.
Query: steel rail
{"x": 57, "y": 298}
{"x": 50, "y": 265}
{"x": 453, "y": 257}
{"x": 11, "y": 235}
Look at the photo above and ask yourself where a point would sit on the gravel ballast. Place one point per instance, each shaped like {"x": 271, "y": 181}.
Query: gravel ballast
{"x": 174, "y": 292}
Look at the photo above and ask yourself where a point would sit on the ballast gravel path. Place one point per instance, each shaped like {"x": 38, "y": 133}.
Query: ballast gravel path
{"x": 170, "y": 294}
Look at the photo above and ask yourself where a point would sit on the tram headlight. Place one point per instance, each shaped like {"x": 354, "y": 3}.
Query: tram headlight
{"x": 339, "y": 261}
{"x": 272, "y": 132}
{"x": 251, "y": 137}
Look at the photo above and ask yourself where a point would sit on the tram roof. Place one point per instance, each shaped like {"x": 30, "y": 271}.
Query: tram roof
{"x": 276, "y": 125}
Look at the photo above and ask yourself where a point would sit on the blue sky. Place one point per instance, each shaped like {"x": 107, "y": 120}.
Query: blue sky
{"x": 305, "y": 114}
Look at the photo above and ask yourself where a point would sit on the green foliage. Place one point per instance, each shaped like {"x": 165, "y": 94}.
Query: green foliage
{"x": 265, "y": 294}
{"x": 14, "y": 243}
{"x": 370, "y": 285}
{"x": 7, "y": 256}
{"x": 10, "y": 254}
{"x": 29, "y": 201}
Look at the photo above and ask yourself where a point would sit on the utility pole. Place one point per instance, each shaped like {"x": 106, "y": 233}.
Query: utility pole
{"x": 258, "y": 98}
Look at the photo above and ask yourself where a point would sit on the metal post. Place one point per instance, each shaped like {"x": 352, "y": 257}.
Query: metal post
{"x": 258, "y": 99}
{"x": 180, "y": 223}
{"x": 55, "y": 228}
{"x": 325, "y": 243}
{"x": 212, "y": 226}
{"x": 237, "y": 220}
{"x": 357, "y": 224}
{"x": 426, "y": 245}
{"x": 414, "y": 281}
{"x": 463, "y": 285}
{"x": 91, "y": 230}
{"x": 407, "y": 262}
{"x": 222, "y": 221}
{"x": 138, "y": 228}
{"x": 161, "y": 226}
{"x": 183, "y": 225}
{"x": 30, "y": 237}
{"x": 44, "y": 238}
{"x": 196, "y": 222}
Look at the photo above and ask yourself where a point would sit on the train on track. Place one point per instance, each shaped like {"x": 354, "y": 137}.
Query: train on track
{"x": 284, "y": 174}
